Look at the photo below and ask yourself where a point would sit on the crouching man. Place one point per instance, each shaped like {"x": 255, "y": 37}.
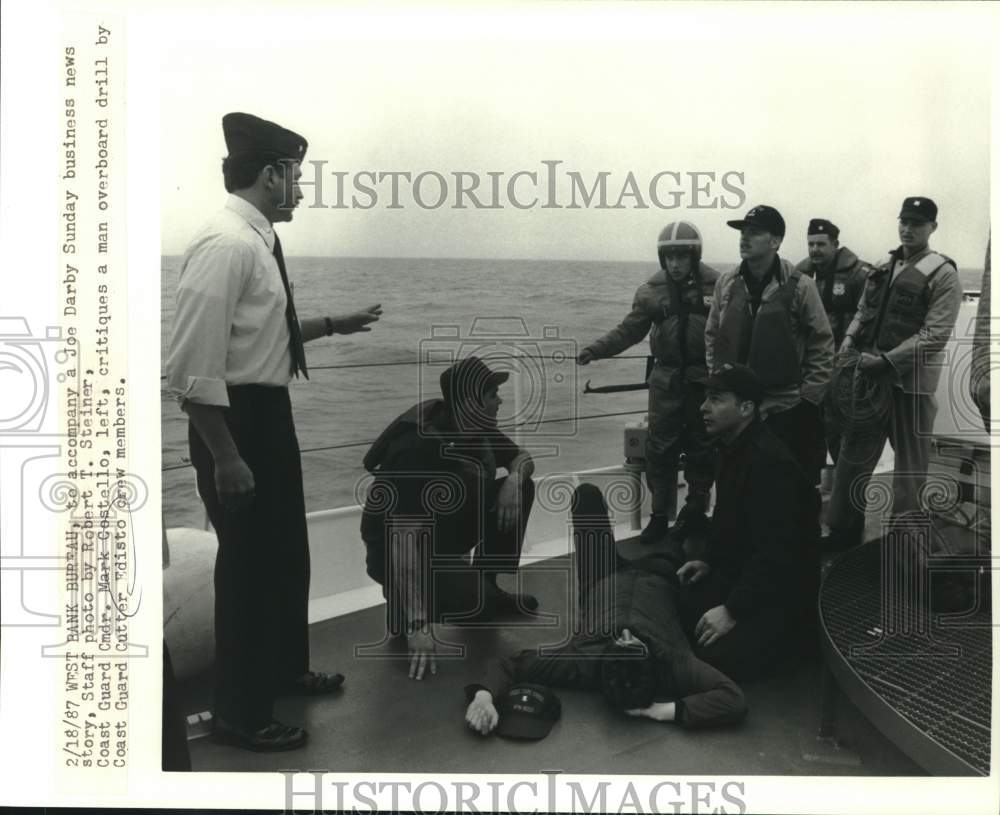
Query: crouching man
{"x": 436, "y": 500}
{"x": 748, "y": 605}
{"x": 628, "y": 645}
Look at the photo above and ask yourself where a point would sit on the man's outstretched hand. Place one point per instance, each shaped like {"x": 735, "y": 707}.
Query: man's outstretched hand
{"x": 356, "y": 321}
{"x": 481, "y": 715}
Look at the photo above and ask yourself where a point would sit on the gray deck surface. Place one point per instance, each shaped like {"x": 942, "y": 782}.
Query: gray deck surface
{"x": 383, "y": 721}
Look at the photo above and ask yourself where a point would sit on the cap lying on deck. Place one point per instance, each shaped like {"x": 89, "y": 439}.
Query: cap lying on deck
{"x": 527, "y": 711}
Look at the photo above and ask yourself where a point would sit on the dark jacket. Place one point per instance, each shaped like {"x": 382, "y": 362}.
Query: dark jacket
{"x": 644, "y": 601}
{"x": 764, "y": 532}
{"x": 840, "y": 285}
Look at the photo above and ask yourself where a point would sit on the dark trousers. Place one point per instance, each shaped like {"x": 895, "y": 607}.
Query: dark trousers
{"x": 262, "y": 566}
{"x": 597, "y": 558}
{"x": 756, "y": 646}
{"x": 831, "y": 424}
{"x": 460, "y": 590}
{"x": 801, "y": 429}
{"x": 174, "y": 750}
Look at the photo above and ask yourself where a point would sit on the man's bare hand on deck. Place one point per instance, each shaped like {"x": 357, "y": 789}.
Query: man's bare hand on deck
{"x": 423, "y": 651}
{"x": 481, "y": 715}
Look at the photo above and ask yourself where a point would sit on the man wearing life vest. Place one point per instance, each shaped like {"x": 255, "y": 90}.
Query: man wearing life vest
{"x": 769, "y": 316}
{"x": 672, "y": 307}
{"x": 904, "y": 319}
{"x": 840, "y": 277}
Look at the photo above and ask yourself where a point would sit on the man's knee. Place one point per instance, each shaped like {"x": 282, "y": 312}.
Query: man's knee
{"x": 588, "y": 500}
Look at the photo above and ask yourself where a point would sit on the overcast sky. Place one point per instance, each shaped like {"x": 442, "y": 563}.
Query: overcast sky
{"x": 829, "y": 112}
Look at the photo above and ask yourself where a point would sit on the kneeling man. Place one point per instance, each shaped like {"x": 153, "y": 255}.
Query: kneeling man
{"x": 436, "y": 500}
{"x": 747, "y": 605}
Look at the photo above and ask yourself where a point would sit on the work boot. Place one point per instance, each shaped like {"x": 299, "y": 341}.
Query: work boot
{"x": 656, "y": 530}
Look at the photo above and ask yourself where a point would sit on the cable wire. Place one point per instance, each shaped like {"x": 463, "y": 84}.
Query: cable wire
{"x": 187, "y": 463}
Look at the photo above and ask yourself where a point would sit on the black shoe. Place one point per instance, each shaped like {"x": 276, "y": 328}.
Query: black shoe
{"x": 690, "y": 523}
{"x": 272, "y": 738}
{"x": 507, "y": 603}
{"x": 656, "y": 530}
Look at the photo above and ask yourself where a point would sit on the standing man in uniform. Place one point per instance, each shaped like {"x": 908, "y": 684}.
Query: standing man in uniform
{"x": 672, "y": 307}
{"x": 769, "y": 316}
{"x": 840, "y": 277}
{"x": 236, "y": 344}
{"x": 904, "y": 320}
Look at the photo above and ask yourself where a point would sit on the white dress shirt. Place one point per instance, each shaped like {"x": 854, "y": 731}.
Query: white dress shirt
{"x": 230, "y": 326}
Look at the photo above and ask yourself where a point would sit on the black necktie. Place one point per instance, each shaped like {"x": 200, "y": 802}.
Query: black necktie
{"x": 295, "y": 332}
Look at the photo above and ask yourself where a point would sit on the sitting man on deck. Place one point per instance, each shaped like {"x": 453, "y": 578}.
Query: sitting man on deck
{"x": 628, "y": 645}
{"x": 435, "y": 500}
{"x": 753, "y": 596}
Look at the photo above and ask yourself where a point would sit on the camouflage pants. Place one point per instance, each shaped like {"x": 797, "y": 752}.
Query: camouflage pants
{"x": 675, "y": 427}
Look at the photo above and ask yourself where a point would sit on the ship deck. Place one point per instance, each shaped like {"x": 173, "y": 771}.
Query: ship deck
{"x": 383, "y": 721}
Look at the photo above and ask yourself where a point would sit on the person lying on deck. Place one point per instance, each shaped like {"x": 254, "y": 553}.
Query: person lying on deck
{"x": 629, "y": 644}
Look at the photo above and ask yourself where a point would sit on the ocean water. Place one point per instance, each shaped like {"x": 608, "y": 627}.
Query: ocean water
{"x": 528, "y": 316}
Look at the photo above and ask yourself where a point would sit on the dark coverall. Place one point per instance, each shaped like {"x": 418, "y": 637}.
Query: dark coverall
{"x": 430, "y": 476}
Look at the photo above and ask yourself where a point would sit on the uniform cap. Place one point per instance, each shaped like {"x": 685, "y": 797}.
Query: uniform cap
{"x": 821, "y": 226}
{"x": 738, "y": 379}
{"x": 917, "y": 207}
{"x": 467, "y": 380}
{"x": 246, "y": 133}
{"x": 763, "y": 217}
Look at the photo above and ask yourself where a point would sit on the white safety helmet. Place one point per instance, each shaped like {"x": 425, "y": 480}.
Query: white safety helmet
{"x": 679, "y": 235}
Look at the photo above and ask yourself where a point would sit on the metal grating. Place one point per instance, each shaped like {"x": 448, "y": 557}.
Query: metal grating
{"x": 944, "y": 699}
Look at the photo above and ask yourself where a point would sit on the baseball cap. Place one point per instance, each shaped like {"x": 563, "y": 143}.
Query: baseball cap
{"x": 469, "y": 379}
{"x": 821, "y": 226}
{"x": 917, "y": 207}
{"x": 738, "y": 379}
{"x": 527, "y": 711}
{"x": 764, "y": 217}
